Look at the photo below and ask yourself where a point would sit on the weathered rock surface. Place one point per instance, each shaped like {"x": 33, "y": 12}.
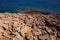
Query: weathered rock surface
{"x": 30, "y": 25}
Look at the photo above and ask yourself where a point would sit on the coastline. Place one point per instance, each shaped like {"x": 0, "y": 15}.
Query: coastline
{"x": 24, "y": 9}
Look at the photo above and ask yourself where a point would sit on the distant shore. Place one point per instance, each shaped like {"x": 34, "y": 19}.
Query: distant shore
{"x": 23, "y": 10}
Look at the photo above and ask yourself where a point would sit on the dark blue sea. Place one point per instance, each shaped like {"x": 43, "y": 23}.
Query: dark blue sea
{"x": 17, "y": 5}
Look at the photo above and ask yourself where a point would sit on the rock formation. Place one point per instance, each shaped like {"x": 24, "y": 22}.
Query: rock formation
{"x": 30, "y": 25}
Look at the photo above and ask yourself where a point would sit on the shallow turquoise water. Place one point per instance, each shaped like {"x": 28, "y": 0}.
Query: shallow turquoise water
{"x": 16, "y": 5}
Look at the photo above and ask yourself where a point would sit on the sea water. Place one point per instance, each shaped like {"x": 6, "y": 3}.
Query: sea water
{"x": 17, "y": 5}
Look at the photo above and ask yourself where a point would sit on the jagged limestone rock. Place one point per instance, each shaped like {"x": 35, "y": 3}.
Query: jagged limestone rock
{"x": 30, "y": 25}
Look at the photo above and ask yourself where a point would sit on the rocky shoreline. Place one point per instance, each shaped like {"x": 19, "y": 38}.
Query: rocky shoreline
{"x": 30, "y": 25}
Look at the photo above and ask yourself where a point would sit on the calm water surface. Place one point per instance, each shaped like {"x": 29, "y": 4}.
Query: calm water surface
{"x": 16, "y": 5}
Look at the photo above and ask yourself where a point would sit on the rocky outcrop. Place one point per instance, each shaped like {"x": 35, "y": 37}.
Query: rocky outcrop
{"x": 30, "y": 25}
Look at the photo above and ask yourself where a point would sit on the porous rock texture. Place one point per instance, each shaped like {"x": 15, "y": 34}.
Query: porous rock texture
{"x": 30, "y": 25}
